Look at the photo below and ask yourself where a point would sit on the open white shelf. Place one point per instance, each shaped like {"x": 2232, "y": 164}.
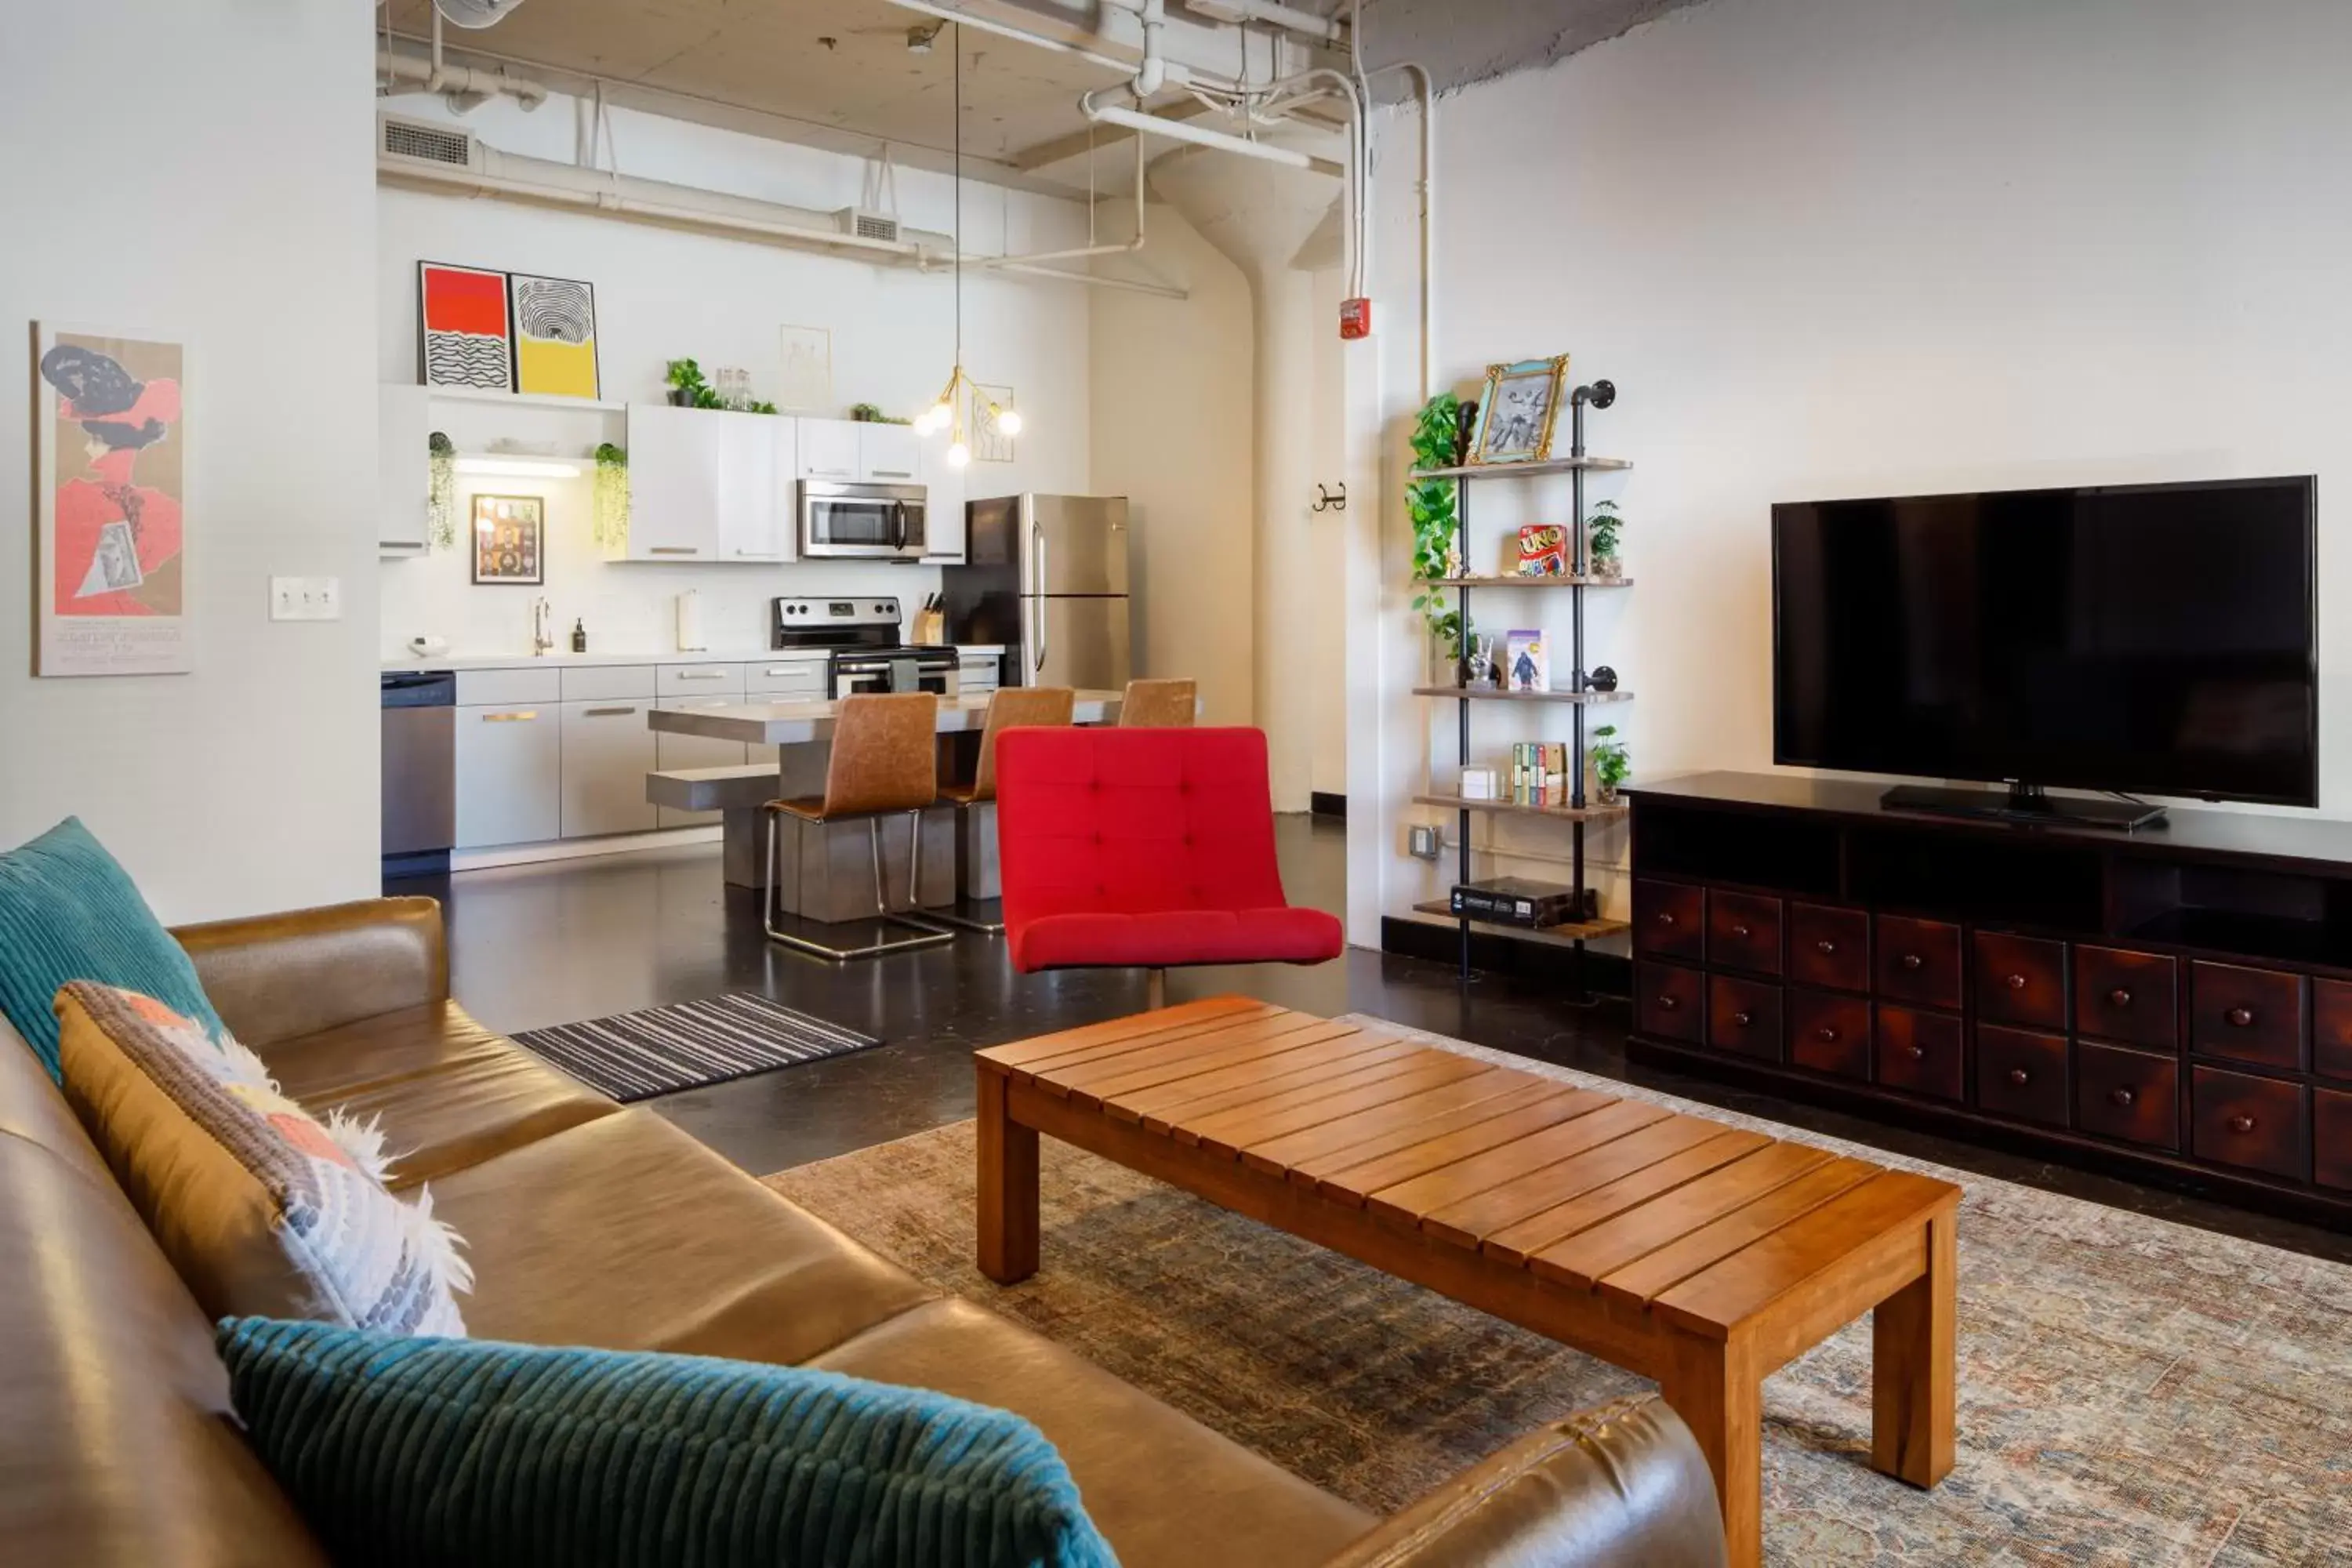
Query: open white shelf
{"x": 523, "y": 399}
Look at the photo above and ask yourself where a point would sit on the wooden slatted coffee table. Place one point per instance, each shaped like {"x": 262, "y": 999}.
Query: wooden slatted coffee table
{"x": 1699, "y": 1254}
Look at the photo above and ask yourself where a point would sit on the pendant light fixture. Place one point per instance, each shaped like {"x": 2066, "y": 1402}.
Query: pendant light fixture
{"x": 948, "y": 413}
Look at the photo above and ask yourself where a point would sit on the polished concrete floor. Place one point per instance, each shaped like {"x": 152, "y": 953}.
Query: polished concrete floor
{"x": 572, "y": 940}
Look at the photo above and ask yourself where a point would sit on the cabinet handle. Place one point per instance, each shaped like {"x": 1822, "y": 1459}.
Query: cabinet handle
{"x": 2123, "y": 1098}
{"x": 2239, "y": 1017}
{"x": 1826, "y": 946}
{"x": 1916, "y": 1053}
{"x": 2119, "y": 997}
{"x": 606, "y": 712}
{"x": 2016, "y": 983}
{"x": 2241, "y": 1123}
{"x": 1665, "y": 917}
{"x": 705, "y": 674}
{"x": 674, "y": 549}
{"x": 892, "y": 474}
{"x": 1826, "y": 1035}
{"x": 1743, "y": 1018}
{"x": 2019, "y": 1077}
{"x": 524, "y": 717}
{"x": 1742, "y": 933}
{"x": 1668, "y": 1004}
{"x": 1913, "y": 961}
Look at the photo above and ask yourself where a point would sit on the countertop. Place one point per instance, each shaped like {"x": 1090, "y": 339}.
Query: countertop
{"x": 593, "y": 661}
{"x": 798, "y": 723}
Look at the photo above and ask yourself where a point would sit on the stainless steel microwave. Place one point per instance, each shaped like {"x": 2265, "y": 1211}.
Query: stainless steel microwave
{"x": 874, "y": 523}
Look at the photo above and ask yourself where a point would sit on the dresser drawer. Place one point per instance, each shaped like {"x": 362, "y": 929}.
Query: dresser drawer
{"x": 2127, "y": 1095}
{"x": 2021, "y": 980}
{"x": 2022, "y": 1075}
{"x": 2331, "y": 1138}
{"x": 2236, "y": 1119}
{"x": 607, "y": 682}
{"x": 1919, "y": 1053}
{"x": 2247, "y": 1015}
{"x": 1830, "y": 1032}
{"x": 1673, "y": 1001}
{"x": 1917, "y": 961}
{"x": 1743, "y": 1016}
{"x": 1743, "y": 931}
{"x": 2331, "y": 1028}
{"x": 1829, "y": 948}
{"x": 2134, "y": 997}
{"x": 1670, "y": 919}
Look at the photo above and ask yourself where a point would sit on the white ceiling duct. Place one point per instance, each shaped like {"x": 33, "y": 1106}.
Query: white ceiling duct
{"x": 476, "y": 13}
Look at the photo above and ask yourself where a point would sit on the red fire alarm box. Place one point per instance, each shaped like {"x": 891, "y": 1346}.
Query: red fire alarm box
{"x": 1355, "y": 318}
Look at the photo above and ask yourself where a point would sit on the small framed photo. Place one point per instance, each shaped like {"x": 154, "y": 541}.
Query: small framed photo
{"x": 1516, "y": 414}
{"x": 510, "y": 539}
{"x": 1524, "y": 664}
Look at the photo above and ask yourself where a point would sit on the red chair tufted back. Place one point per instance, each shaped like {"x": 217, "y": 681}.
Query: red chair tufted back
{"x": 1134, "y": 821}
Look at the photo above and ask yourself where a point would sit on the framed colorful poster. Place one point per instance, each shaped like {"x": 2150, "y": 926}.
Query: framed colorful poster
{"x": 109, "y": 423}
{"x": 509, "y": 540}
{"x": 554, "y": 336}
{"x": 463, "y": 332}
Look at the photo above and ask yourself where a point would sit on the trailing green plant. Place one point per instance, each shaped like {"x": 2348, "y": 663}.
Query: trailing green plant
{"x": 1600, "y": 527}
{"x": 441, "y": 497}
{"x": 871, "y": 414}
{"x": 761, "y": 409}
{"x": 1430, "y": 503}
{"x": 611, "y": 526}
{"x": 1611, "y": 764}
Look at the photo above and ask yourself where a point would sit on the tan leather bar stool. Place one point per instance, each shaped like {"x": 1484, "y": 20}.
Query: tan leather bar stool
{"x": 882, "y": 765}
{"x": 1009, "y": 708}
{"x": 1158, "y": 705}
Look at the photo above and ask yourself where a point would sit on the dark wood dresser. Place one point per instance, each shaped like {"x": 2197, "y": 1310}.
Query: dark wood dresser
{"x": 2173, "y": 1003}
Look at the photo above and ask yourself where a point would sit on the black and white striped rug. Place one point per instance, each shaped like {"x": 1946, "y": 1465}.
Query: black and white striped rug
{"x": 687, "y": 1045}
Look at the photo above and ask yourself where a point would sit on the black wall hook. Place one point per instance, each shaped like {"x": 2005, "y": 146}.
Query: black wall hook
{"x": 1325, "y": 502}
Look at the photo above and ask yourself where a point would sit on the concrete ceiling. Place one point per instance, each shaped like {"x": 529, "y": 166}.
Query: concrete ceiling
{"x": 1467, "y": 41}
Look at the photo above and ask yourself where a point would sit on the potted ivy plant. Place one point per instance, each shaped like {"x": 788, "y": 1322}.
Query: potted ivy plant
{"x": 1435, "y": 547}
{"x": 1600, "y": 540}
{"x": 441, "y": 502}
{"x": 687, "y": 389}
{"x": 611, "y": 496}
{"x": 1610, "y": 766}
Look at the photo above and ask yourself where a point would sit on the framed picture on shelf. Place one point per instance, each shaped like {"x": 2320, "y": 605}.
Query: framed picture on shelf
{"x": 510, "y": 537}
{"x": 465, "y": 332}
{"x": 1524, "y": 665}
{"x": 554, "y": 336}
{"x": 1516, "y": 414}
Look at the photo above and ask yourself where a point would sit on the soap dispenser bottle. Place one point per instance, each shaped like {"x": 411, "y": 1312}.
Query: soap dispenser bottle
{"x": 580, "y": 635}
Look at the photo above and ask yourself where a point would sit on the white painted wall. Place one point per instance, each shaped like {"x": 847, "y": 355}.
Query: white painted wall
{"x": 1859, "y": 246}
{"x": 663, "y": 294}
{"x": 139, "y": 196}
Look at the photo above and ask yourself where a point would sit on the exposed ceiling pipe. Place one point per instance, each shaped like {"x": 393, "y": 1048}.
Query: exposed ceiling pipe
{"x": 1289, "y": 19}
{"x": 465, "y": 88}
{"x": 1198, "y": 135}
{"x": 1122, "y": 247}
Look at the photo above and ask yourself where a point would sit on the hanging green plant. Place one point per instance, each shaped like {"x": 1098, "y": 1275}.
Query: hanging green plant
{"x": 1431, "y": 505}
{"x": 441, "y": 498}
{"x": 611, "y": 504}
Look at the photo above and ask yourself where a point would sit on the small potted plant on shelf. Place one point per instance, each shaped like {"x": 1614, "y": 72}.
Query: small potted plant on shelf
{"x": 687, "y": 389}
{"x": 1601, "y": 536}
{"x": 1610, "y": 766}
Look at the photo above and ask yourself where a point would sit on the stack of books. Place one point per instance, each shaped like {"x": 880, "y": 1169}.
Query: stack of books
{"x": 1539, "y": 774}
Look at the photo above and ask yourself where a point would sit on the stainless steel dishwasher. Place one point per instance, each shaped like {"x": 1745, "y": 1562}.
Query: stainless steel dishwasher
{"x": 420, "y": 771}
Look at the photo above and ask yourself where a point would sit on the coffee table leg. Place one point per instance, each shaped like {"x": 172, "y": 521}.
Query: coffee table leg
{"x": 1911, "y": 1354}
{"x": 1008, "y": 1187}
{"x": 1715, "y": 1387}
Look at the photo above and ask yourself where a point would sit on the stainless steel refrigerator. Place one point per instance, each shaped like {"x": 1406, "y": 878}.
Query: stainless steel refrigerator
{"x": 1047, "y": 578}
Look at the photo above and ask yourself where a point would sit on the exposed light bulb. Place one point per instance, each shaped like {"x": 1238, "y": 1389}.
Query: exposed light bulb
{"x": 1008, "y": 421}
{"x": 958, "y": 455}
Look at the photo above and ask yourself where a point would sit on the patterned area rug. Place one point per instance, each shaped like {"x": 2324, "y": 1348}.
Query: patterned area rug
{"x": 686, "y": 1045}
{"x": 2131, "y": 1392}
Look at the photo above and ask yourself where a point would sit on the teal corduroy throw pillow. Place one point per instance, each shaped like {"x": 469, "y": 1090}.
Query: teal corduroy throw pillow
{"x": 69, "y": 912}
{"x": 461, "y": 1452}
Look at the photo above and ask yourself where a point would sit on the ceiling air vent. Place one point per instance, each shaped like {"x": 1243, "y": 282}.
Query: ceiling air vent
{"x": 424, "y": 143}
{"x": 866, "y": 224}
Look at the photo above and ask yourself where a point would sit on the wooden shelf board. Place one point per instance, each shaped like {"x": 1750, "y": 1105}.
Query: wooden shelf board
{"x": 1497, "y": 694}
{"x": 1549, "y": 466}
{"x": 1518, "y": 582}
{"x": 1512, "y": 809}
{"x": 1568, "y": 932}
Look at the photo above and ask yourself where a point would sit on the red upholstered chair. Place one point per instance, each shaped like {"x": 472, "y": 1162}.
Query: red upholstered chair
{"x": 1144, "y": 848}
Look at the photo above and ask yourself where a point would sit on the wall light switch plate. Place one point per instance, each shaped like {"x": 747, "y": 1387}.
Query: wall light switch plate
{"x": 1422, "y": 841}
{"x": 306, "y": 598}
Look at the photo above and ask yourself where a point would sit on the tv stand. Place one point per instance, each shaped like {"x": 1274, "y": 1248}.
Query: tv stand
{"x": 2024, "y": 803}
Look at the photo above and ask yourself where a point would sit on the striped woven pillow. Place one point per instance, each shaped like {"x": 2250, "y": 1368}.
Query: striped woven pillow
{"x": 401, "y": 1451}
{"x": 261, "y": 1206}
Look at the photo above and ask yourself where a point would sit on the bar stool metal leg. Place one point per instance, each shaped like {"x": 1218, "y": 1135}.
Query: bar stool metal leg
{"x": 965, "y": 922}
{"x": 932, "y": 935}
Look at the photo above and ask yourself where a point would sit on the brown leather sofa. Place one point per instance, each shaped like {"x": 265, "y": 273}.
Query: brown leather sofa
{"x": 589, "y": 1224}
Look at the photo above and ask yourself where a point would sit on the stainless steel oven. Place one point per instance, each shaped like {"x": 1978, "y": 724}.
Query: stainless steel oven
{"x": 874, "y": 523}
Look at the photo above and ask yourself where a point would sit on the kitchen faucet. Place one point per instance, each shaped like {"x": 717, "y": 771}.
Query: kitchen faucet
{"x": 542, "y": 627}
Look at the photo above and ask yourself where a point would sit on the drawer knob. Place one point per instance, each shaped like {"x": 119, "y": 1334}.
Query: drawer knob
{"x": 1826, "y": 945}
{"x": 2016, "y": 983}
{"x": 1668, "y": 1004}
{"x": 2019, "y": 1077}
{"x": 1743, "y": 1018}
{"x": 1916, "y": 1053}
{"x": 2119, "y": 997}
{"x": 1913, "y": 961}
{"x": 2241, "y": 1123}
{"x": 1665, "y": 917}
{"x": 1742, "y": 933}
{"x": 2239, "y": 1017}
{"x": 1826, "y": 1035}
{"x": 2123, "y": 1096}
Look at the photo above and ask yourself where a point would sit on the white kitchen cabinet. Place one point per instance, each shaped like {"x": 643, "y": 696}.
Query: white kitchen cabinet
{"x": 888, "y": 454}
{"x": 608, "y": 750}
{"x": 828, "y": 449}
{"x": 702, "y": 485}
{"x": 751, "y": 526}
{"x": 674, "y": 751}
{"x": 404, "y": 470}
{"x": 510, "y": 774}
{"x": 943, "y": 514}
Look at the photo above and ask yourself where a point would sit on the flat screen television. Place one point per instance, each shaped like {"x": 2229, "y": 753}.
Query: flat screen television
{"x": 2144, "y": 638}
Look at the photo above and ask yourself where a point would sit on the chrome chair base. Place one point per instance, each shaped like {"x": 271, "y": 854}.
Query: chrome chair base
{"x": 932, "y": 935}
